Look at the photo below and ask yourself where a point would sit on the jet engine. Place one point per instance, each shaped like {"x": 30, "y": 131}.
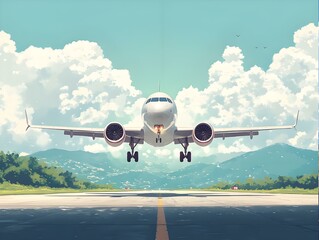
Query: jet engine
{"x": 114, "y": 134}
{"x": 203, "y": 134}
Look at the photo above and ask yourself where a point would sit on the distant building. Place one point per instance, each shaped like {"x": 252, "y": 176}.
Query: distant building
{"x": 234, "y": 188}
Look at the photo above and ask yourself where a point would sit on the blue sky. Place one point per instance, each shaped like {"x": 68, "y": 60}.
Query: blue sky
{"x": 87, "y": 63}
{"x": 174, "y": 42}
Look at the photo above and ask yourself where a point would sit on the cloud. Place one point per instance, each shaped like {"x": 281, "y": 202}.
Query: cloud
{"x": 91, "y": 115}
{"x": 77, "y": 85}
{"x": 116, "y": 152}
{"x": 191, "y": 102}
{"x": 80, "y": 96}
{"x": 7, "y": 45}
{"x": 12, "y": 119}
{"x": 95, "y": 148}
{"x": 236, "y": 147}
{"x": 306, "y": 41}
{"x": 23, "y": 154}
{"x": 73, "y": 84}
{"x": 163, "y": 152}
{"x": 233, "y": 55}
{"x": 134, "y": 111}
{"x": 256, "y": 97}
{"x": 297, "y": 140}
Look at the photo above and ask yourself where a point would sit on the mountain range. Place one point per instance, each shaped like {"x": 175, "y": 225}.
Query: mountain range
{"x": 273, "y": 161}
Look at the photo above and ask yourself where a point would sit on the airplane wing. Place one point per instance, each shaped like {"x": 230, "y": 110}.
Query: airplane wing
{"x": 185, "y": 135}
{"x": 132, "y": 134}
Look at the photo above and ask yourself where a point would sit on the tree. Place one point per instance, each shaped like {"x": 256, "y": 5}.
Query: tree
{"x": 309, "y": 181}
{"x": 30, "y": 171}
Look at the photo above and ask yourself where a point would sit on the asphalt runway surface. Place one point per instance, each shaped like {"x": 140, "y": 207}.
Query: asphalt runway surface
{"x": 159, "y": 215}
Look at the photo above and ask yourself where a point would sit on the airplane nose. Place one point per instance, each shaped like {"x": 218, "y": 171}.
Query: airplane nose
{"x": 158, "y": 114}
{"x": 158, "y": 109}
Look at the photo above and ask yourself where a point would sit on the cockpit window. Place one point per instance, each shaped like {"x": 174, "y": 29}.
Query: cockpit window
{"x": 161, "y": 99}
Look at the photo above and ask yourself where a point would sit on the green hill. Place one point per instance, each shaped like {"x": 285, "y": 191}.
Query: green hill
{"x": 273, "y": 161}
{"x": 30, "y": 171}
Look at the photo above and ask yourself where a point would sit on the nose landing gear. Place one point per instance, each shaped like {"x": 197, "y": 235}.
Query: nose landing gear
{"x": 158, "y": 139}
{"x": 185, "y": 154}
{"x": 158, "y": 129}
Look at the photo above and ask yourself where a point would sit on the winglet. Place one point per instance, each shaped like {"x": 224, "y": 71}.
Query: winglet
{"x": 27, "y": 120}
{"x": 296, "y": 122}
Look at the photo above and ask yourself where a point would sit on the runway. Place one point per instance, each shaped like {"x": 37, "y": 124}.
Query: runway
{"x": 159, "y": 215}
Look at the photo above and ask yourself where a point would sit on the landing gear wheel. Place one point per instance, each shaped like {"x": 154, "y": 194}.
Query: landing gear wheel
{"x": 181, "y": 156}
{"x": 189, "y": 157}
{"x": 135, "y": 156}
{"x": 129, "y": 156}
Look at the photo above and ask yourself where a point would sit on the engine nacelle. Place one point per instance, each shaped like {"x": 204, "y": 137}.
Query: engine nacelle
{"x": 203, "y": 134}
{"x": 114, "y": 134}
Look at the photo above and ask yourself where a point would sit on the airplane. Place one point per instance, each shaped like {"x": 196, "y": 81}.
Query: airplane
{"x": 159, "y": 114}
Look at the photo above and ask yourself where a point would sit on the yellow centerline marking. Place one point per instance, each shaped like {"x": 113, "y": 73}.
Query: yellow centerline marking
{"x": 161, "y": 229}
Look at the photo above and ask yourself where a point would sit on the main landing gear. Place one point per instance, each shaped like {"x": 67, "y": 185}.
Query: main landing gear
{"x": 185, "y": 154}
{"x": 132, "y": 154}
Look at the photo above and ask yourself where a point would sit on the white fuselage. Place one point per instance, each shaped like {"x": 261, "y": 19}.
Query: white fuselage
{"x": 159, "y": 114}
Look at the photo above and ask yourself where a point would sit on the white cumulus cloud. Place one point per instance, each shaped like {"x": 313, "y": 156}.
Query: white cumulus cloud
{"x": 236, "y": 97}
{"x": 163, "y": 152}
{"x": 77, "y": 85}
{"x": 297, "y": 140}
{"x": 74, "y": 84}
{"x": 95, "y": 148}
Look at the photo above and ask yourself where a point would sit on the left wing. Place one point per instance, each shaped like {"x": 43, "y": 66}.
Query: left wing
{"x": 185, "y": 135}
{"x": 135, "y": 135}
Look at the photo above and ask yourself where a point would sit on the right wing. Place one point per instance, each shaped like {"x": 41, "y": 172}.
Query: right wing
{"x": 132, "y": 134}
{"x": 183, "y": 135}
{"x": 249, "y": 131}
